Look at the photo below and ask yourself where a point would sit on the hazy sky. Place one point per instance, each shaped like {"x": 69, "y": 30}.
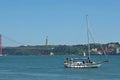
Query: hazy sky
{"x": 63, "y": 21}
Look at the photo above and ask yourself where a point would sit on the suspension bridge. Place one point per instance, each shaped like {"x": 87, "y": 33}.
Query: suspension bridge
{"x": 21, "y": 45}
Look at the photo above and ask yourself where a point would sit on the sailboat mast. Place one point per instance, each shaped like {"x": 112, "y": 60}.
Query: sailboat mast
{"x": 88, "y": 35}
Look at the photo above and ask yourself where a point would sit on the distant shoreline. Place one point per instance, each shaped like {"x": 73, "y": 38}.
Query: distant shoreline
{"x": 112, "y": 48}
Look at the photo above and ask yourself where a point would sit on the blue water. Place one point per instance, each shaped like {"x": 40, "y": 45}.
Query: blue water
{"x": 51, "y": 68}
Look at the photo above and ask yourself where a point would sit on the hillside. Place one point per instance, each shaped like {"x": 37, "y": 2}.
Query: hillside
{"x": 110, "y": 48}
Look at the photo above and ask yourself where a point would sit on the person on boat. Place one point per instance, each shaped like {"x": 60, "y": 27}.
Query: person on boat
{"x": 71, "y": 60}
{"x": 83, "y": 62}
{"x": 88, "y": 58}
{"x": 89, "y": 61}
{"x": 66, "y": 60}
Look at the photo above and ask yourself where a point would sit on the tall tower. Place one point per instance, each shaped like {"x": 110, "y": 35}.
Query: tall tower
{"x": 47, "y": 41}
{"x": 0, "y": 45}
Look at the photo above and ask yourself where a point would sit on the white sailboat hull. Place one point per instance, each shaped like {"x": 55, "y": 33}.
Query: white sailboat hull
{"x": 81, "y": 65}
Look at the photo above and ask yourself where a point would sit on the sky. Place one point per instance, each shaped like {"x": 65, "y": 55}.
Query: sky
{"x": 28, "y": 22}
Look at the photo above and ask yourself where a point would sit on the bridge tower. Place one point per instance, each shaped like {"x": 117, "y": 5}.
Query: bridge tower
{"x": 0, "y": 45}
{"x": 47, "y": 41}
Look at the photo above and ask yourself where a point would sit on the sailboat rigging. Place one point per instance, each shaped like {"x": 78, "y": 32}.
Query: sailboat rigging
{"x": 83, "y": 62}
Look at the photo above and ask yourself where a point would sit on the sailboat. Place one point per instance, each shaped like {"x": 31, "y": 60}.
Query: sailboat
{"x": 83, "y": 62}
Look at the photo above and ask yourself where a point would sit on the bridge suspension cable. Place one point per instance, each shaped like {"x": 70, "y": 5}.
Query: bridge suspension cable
{"x": 12, "y": 40}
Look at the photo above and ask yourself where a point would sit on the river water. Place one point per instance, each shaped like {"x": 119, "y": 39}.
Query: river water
{"x": 51, "y": 68}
